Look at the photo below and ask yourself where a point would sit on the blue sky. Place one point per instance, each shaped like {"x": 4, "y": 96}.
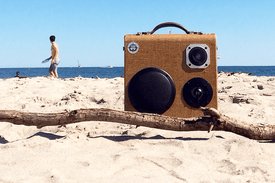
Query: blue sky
{"x": 92, "y": 31}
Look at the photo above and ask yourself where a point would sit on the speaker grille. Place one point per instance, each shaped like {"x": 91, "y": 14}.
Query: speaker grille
{"x": 197, "y": 92}
{"x": 151, "y": 90}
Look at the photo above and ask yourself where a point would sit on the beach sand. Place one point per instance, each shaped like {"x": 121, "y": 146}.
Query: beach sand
{"x": 112, "y": 152}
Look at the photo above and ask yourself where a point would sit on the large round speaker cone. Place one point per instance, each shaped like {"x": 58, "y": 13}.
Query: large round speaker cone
{"x": 197, "y": 92}
{"x": 151, "y": 90}
{"x": 197, "y": 56}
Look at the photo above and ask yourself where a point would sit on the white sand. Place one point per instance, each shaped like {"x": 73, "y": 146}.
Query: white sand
{"x": 111, "y": 152}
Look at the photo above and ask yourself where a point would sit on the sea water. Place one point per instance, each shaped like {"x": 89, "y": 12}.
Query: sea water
{"x": 111, "y": 72}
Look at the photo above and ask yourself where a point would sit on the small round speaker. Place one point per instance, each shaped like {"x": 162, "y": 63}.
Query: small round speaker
{"x": 197, "y": 92}
{"x": 197, "y": 56}
{"x": 151, "y": 90}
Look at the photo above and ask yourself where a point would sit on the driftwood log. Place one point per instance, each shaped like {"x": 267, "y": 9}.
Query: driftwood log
{"x": 210, "y": 121}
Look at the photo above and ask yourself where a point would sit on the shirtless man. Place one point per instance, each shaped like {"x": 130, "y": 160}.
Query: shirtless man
{"x": 54, "y": 58}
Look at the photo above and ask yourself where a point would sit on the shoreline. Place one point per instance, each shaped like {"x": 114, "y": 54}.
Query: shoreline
{"x": 107, "y": 72}
{"x": 96, "y": 77}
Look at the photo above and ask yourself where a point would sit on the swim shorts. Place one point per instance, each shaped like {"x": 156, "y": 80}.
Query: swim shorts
{"x": 53, "y": 67}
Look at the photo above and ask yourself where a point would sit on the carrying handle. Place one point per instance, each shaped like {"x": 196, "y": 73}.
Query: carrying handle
{"x": 170, "y": 24}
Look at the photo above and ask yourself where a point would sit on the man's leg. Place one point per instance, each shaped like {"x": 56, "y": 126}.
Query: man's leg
{"x": 56, "y": 74}
{"x": 55, "y": 70}
{"x": 51, "y": 72}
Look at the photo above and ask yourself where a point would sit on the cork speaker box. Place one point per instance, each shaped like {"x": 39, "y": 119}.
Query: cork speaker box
{"x": 170, "y": 74}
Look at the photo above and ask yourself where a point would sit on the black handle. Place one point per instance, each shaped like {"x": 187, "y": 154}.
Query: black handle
{"x": 169, "y": 24}
{"x": 172, "y": 24}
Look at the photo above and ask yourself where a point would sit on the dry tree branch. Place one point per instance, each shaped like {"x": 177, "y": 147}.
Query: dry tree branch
{"x": 211, "y": 120}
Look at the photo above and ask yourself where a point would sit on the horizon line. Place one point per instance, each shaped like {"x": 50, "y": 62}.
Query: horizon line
{"x": 123, "y": 66}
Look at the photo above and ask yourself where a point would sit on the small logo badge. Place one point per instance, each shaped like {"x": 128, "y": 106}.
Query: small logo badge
{"x": 133, "y": 47}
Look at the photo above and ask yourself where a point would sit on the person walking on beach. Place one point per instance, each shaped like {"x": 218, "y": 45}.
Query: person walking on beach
{"x": 54, "y": 58}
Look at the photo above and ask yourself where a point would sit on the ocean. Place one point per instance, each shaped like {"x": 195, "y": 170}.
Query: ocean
{"x": 111, "y": 72}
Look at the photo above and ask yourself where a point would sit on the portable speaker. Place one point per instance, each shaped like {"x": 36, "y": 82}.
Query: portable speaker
{"x": 170, "y": 74}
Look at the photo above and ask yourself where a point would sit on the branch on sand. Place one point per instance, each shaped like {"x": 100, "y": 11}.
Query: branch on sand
{"x": 211, "y": 120}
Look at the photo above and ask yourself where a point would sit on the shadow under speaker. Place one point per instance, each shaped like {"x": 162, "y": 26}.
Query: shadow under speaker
{"x": 170, "y": 74}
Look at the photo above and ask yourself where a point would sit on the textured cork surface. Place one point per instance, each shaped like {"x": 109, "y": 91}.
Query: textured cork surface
{"x": 167, "y": 52}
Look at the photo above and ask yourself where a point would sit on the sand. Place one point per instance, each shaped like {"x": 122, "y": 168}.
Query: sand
{"x": 112, "y": 152}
